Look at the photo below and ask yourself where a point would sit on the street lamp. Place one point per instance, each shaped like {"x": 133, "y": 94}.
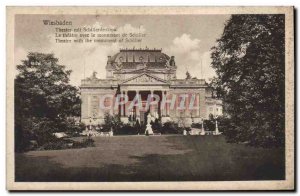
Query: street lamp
{"x": 90, "y": 128}
{"x": 217, "y": 129}
{"x": 202, "y": 127}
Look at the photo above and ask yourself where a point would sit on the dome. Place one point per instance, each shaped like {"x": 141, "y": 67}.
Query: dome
{"x": 131, "y": 58}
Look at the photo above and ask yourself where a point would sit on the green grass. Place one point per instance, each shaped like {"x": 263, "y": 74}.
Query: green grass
{"x": 154, "y": 158}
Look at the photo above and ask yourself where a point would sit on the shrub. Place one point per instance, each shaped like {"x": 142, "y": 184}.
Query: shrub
{"x": 40, "y": 130}
{"x": 196, "y": 125}
{"x": 87, "y": 142}
{"x": 126, "y": 130}
{"x": 209, "y": 125}
{"x": 138, "y": 127}
{"x": 54, "y": 145}
{"x": 72, "y": 128}
{"x": 112, "y": 122}
{"x": 60, "y": 144}
{"x": 171, "y": 128}
{"x": 188, "y": 128}
{"x": 156, "y": 126}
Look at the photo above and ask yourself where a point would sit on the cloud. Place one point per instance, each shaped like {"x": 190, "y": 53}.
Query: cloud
{"x": 82, "y": 58}
{"x": 128, "y": 28}
{"x": 184, "y": 44}
{"x": 189, "y": 58}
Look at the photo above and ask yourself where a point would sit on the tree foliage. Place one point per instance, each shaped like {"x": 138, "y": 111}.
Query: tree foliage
{"x": 43, "y": 98}
{"x": 113, "y": 123}
{"x": 249, "y": 60}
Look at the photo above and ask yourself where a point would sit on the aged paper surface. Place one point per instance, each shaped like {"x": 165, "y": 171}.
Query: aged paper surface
{"x": 103, "y": 42}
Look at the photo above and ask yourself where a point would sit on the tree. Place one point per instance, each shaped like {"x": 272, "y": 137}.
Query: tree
{"x": 249, "y": 60}
{"x": 112, "y": 122}
{"x": 210, "y": 124}
{"x": 43, "y": 98}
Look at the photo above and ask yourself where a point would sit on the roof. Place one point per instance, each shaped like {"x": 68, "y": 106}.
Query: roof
{"x": 132, "y": 58}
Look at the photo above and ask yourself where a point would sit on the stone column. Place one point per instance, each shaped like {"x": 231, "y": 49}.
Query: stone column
{"x": 151, "y": 106}
{"x": 137, "y": 93}
{"x": 125, "y": 106}
{"x": 177, "y": 103}
{"x": 167, "y": 105}
{"x": 187, "y": 112}
{"x": 162, "y": 108}
{"x": 122, "y": 106}
{"x": 198, "y": 104}
{"x": 89, "y": 106}
{"x": 112, "y": 105}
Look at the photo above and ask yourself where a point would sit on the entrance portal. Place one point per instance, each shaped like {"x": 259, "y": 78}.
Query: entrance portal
{"x": 136, "y": 113}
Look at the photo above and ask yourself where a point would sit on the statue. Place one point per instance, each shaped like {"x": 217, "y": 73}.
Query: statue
{"x": 188, "y": 76}
{"x": 93, "y": 76}
{"x": 145, "y": 65}
{"x": 111, "y": 133}
{"x": 148, "y": 130}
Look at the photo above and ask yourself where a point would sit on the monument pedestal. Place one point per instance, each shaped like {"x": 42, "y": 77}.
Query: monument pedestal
{"x": 124, "y": 119}
{"x": 165, "y": 119}
{"x": 148, "y": 130}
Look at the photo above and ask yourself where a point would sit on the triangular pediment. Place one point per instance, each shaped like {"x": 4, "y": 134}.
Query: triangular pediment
{"x": 141, "y": 70}
{"x": 144, "y": 79}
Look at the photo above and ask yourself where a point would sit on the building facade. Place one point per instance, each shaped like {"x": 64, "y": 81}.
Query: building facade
{"x": 143, "y": 81}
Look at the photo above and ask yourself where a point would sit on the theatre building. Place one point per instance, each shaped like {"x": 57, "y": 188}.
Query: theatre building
{"x": 143, "y": 81}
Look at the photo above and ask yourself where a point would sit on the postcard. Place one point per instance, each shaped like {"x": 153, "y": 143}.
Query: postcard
{"x": 150, "y": 98}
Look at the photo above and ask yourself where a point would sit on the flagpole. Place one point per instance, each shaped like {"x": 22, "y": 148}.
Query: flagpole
{"x": 201, "y": 69}
{"x": 84, "y": 69}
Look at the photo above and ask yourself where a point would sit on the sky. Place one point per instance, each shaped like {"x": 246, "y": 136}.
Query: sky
{"x": 187, "y": 37}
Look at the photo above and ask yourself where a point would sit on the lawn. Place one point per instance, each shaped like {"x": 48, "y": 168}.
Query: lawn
{"x": 153, "y": 158}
